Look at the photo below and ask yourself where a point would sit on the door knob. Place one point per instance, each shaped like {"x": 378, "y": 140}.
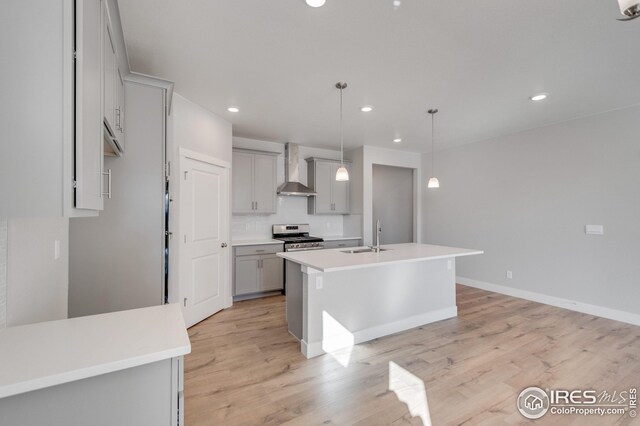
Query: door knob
{"x": 223, "y": 245}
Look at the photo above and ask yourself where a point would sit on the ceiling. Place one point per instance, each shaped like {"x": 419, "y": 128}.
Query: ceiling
{"x": 477, "y": 61}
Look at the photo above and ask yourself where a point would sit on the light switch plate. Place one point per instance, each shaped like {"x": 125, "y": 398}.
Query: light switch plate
{"x": 594, "y": 229}
{"x": 318, "y": 283}
{"x": 56, "y": 250}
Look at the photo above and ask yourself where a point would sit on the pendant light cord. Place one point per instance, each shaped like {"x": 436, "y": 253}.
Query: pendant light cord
{"x": 433, "y": 170}
{"x": 341, "y": 133}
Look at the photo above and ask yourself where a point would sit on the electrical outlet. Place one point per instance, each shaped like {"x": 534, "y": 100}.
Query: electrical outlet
{"x": 509, "y": 274}
{"x": 318, "y": 283}
{"x": 449, "y": 265}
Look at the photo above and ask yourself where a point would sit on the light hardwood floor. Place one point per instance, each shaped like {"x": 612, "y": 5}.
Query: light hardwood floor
{"x": 245, "y": 368}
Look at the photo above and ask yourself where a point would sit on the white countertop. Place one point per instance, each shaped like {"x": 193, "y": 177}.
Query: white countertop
{"x": 336, "y": 260}
{"x": 339, "y": 238}
{"x": 50, "y": 353}
{"x": 255, "y": 242}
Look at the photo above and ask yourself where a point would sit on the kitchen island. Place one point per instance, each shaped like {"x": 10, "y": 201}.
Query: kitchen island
{"x": 338, "y": 298}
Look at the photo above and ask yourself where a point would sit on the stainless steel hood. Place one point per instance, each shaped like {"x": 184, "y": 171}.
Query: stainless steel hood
{"x": 292, "y": 185}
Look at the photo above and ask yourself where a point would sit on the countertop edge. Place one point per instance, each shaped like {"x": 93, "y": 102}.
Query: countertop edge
{"x": 87, "y": 372}
{"x": 371, "y": 265}
{"x": 338, "y": 238}
{"x": 256, "y": 242}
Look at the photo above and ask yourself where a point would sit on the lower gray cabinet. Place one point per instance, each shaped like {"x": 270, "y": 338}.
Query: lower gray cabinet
{"x": 341, "y": 243}
{"x": 255, "y": 273}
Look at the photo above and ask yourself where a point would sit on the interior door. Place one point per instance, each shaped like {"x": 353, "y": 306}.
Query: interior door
{"x": 204, "y": 256}
{"x": 339, "y": 191}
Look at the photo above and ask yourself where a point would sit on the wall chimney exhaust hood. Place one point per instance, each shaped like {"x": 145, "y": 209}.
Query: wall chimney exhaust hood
{"x": 292, "y": 185}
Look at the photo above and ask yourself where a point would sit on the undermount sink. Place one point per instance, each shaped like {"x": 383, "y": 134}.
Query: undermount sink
{"x": 362, "y": 250}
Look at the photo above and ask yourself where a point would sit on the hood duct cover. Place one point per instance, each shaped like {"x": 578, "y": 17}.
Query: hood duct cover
{"x": 292, "y": 185}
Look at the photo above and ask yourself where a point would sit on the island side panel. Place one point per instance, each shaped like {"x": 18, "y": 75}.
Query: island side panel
{"x": 371, "y": 302}
{"x": 293, "y": 287}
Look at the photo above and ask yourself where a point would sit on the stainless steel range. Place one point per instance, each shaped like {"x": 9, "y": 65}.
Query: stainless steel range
{"x": 296, "y": 237}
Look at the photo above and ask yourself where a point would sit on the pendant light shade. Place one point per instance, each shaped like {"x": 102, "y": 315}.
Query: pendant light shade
{"x": 629, "y": 7}
{"x": 433, "y": 180}
{"x": 342, "y": 174}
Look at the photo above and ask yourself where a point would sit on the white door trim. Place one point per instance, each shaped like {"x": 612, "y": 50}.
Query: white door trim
{"x": 187, "y": 153}
{"x": 176, "y": 274}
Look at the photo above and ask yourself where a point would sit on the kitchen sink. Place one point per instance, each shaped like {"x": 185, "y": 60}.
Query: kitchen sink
{"x": 362, "y": 250}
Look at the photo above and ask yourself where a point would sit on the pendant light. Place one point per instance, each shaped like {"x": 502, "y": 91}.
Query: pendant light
{"x": 342, "y": 175}
{"x": 433, "y": 180}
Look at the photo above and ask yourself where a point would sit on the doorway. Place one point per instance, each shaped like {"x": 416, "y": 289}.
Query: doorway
{"x": 393, "y": 203}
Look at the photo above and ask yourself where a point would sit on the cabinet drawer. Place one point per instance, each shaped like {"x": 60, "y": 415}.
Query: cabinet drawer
{"x": 261, "y": 249}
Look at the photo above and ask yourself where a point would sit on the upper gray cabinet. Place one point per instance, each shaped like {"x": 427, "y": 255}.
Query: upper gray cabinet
{"x": 112, "y": 88}
{"x": 54, "y": 164}
{"x": 332, "y": 196}
{"x": 254, "y": 182}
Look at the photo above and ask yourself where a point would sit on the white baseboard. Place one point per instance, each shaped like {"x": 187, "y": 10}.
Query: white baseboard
{"x": 599, "y": 311}
{"x": 314, "y": 349}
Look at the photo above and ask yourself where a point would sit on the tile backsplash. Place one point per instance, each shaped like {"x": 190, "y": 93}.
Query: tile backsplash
{"x": 290, "y": 210}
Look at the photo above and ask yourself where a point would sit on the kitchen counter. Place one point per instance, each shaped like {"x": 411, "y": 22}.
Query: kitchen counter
{"x": 340, "y": 238}
{"x": 51, "y": 353}
{"x": 254, "y": 242}
{"x": 338, "y": 260}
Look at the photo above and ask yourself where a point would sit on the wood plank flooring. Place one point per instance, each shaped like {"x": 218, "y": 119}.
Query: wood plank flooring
{"x": 245, "y": 368}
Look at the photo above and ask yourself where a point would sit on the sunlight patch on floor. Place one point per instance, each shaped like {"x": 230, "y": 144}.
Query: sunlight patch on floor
{"x": 410, "y": 390}
{"x": 337, "y": 341}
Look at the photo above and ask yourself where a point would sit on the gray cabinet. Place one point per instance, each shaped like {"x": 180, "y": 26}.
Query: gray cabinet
{"x": 112, "y": 88}
{"x": 257, "y": 269}
{"x": 55, "y": 168}
{"x": 328, "y": 244}
{"x": 254, "y": 182}
{"x": 332, "y": 196}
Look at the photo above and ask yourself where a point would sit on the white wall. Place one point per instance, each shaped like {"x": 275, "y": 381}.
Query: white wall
{"x": 37, "y": 284}
{"x": 525, "y": 198}
{"x": 199, "y": 130}
{"x": 290, "y": 209}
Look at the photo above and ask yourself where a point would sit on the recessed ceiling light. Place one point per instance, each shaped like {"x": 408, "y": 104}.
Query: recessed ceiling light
{"x": 315, "y": 3}
{"x": 366, "y": 108}
{"x": 539, "y": 97}
{"x": 233, "y": 109}
{"x": 397, "y": 140}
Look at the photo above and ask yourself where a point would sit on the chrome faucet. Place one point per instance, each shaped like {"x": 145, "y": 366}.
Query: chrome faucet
{"x": 376, "y": 248}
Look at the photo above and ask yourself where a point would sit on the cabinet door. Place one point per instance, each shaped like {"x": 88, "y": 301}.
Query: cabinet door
{"x": 339, "y": 191}
{"x": 120, "y": 107}
{"x": 89, "y": 128}
{"x": 271, "y": 273}
{"x": 323, "y": 181}
{"x": 108, "y": 71}
{"x": 264, "y": 183}
{"x": 242, "y": 183}
{"x": 246, "y": 275}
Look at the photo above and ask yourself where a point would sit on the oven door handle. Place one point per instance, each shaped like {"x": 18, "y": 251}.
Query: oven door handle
{"x": 303, "y": 249}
